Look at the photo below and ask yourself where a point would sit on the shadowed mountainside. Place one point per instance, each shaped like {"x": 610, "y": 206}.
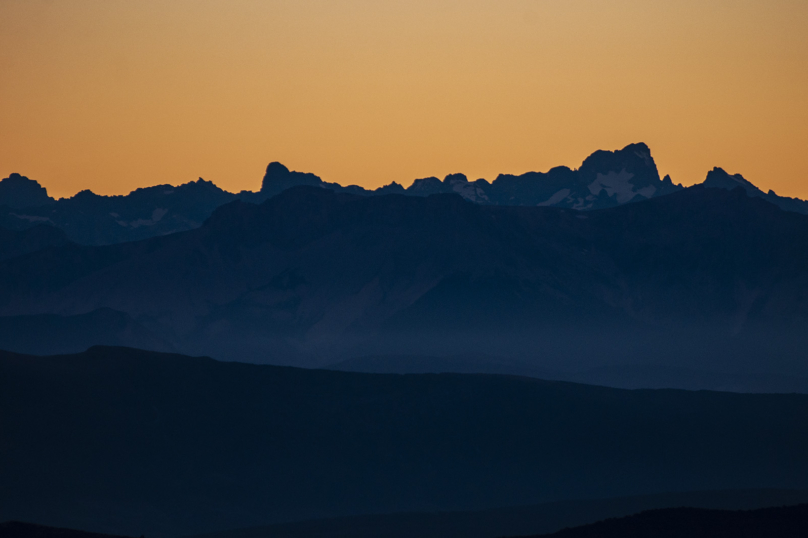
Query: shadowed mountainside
{"x": 125, "y": 441}
{"x": 19, "y": 243}
{"x": 49, "y": 334}
{"x": 91, "y": 219}
{"x": 702, "y": 279}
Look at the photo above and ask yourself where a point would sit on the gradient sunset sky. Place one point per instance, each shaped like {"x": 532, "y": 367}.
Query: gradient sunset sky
{"x": 112, "y": 95}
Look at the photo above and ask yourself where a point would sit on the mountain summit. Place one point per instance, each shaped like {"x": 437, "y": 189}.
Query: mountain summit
{"x": 278, "y": 178}
{"x": 718, "y": 178}
{"x": 18, "y": 192}
{"x": 604, "y": 179}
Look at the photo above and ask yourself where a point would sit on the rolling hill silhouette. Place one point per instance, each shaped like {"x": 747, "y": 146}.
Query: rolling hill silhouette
{"x": 17, "y": 529}
{"x": 513, "y": 521}
{"x": 124, "y": 441}
{"x": 783, "y": 522}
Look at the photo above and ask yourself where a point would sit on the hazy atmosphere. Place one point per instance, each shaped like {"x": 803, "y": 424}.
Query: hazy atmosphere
{"x": 422, "y": 269}
{"x": 112, "y": 95}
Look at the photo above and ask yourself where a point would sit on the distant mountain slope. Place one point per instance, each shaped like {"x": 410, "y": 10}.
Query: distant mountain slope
{"x": 784, "y": 522}
{"x": 15, "y": 243}
{"x": 90, "y": 219}
{"x": 719, "y": 179}
{"x": 131, "y": 442}
{"x": 702, "y": 279}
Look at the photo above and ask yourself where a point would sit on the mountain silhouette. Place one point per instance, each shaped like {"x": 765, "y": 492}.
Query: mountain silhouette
{"x": 605, "y": 179}
{"x": 19, "y": 192}
{"x": 703, "y": 279}
{"x": 124, "y": 441}
{"x": 719, "y": 179}
{"x": 90, "y": 219}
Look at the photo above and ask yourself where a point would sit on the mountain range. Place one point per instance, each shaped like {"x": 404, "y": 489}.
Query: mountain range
{"x": 604, "y": 179}
{"x": 701, "y": 279}
{"x": 129, "y": 442}
{"x": 449, "y": 359}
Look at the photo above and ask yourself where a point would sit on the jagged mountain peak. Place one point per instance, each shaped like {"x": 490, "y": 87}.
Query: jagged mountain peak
{"x": 425, "y": 186}
{"x": 275, "y": 170}
{"x": 718, "y": 178}
{"x": 278, "y": 178}
{"x": 634, "y": 159}
{"x": 604, "y": 179}
{"x": 19, "y": 192}
{"x": 452, "y": 178}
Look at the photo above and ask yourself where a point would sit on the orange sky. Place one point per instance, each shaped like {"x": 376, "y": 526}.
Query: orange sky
{"x": 113, "y": 95}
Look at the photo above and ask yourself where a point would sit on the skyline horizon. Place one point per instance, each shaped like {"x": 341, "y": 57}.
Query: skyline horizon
{"x": 113, "y": 96}
{"x": 404, "y": 183}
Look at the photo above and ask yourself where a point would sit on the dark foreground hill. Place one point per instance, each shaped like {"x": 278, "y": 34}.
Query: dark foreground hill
{"x": 16, "y": 529}
{"x": 625, "y": 376}
{"x": 702, "y": 279}
{"x": 124, "y": 441}
{"x": 514, "y": 521}
{"x": 527, "y": 520}
{"x": 785, "y": 522}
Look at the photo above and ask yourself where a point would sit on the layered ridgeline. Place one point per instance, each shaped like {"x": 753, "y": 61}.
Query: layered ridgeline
{"x": 604, "y": 179}
{"x": 130, "y": 442}
{"x": 700, "y": 284}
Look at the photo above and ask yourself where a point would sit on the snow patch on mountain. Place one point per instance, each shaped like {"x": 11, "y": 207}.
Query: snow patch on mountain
{"x": 157, "y": 214}
{"x": 555, "y": 198}
{"x": 617, "y": 184}
{"x": 31, "y": 218}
